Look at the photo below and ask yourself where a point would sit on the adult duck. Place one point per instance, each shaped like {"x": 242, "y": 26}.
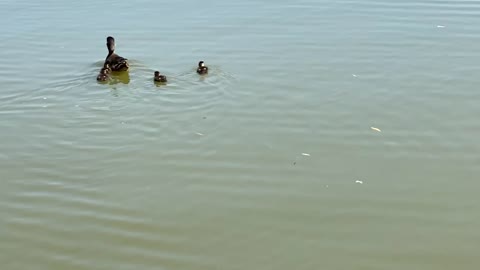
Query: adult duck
{"x": 106, "y": 68}
{"x": 115, "y": 61}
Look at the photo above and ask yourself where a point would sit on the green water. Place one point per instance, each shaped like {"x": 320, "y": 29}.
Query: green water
{"x": 255, "y": 166}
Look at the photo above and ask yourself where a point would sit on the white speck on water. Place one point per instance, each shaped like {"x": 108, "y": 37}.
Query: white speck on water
{"x": 199, "y": 134}
{"x": 354, "y": 75}
{"x": 44, "y": 98}
{"x": 440, "y": 26}
{"x": 359, "y": 181}
{"x": 375, "y": 129}
{"x": 305, "y": 154}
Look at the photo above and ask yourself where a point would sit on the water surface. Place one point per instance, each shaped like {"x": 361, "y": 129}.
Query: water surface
{"x": 208, "y": 172}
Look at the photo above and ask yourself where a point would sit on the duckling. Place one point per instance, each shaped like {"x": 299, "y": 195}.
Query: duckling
{"x": 202, "y": 69}
{"x": 159, "y": 78}
{"x": 116, "y": 62}
{"x": 103, "y": 75}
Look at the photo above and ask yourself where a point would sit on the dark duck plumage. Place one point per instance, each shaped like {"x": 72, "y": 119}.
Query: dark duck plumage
{"x": 157, "y": 77}
{"x": 106, "y": 68}
{"x": 103, "y": 75}
{"x": 116, "y": 62}
{"x": 202, "y": 69}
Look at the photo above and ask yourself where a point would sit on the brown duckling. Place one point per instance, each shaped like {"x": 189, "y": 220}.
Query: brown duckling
{"x": 157, "y": 77}
{"x": 202, "y": 69}
{"x": 103, "y": 75}
{"x": 116, "y": 62}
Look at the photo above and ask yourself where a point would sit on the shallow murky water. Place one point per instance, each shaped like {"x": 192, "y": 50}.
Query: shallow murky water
{"x": 269, "y": 162}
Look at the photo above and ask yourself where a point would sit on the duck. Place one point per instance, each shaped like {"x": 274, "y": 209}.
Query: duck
{"x": 202, "y": 69}
{"x": 115, "y": 61}
{"x": 107, "y": 68}
{"x": 157, "y": 77}
{"x": 103, "y": 75}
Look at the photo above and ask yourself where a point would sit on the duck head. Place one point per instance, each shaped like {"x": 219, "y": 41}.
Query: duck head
{"x": 111, "y": 44}
{"x": 201, "y": 64}
{"x": 157, "y": 73}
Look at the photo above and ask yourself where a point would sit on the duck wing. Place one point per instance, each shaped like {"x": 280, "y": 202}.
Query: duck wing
{"x": 117, "y": 63}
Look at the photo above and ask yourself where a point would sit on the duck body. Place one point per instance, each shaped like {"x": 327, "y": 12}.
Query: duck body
{"x": 157, "y": 77}
{"x": 106, "y": 68}
{"x": 202, "y": 69}
{"x": 115, "y": 61}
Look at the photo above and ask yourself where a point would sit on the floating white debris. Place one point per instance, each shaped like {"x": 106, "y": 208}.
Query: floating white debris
{"x": 305, "y": 154}
{"x": 199, "y": 134}
{"x": 440, "y": 26}
{"x": 44, "y": 98}
{"x": 376, "y": 129}
{"x": 359, "y": 181}
{"x": 354, "y": 75}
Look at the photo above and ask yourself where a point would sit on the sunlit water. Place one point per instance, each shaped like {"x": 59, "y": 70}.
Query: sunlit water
{"x": 268, "y": 162}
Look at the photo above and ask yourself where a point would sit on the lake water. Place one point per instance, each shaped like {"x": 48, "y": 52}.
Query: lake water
{"x": 268, "y": 162}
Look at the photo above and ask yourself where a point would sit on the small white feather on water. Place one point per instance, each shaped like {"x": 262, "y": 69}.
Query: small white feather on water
{"x": 359, "y": 181}
{"x": 305, "y": 154}
{"x": 376, "y": 129}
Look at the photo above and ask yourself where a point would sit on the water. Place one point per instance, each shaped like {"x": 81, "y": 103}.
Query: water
{"x": 208, "y": 173}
